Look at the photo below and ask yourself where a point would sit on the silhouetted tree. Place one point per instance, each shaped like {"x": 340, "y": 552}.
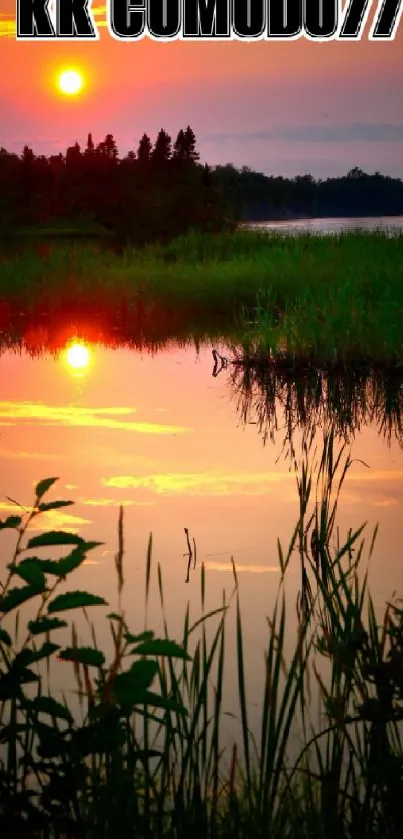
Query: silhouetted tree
{"x": 108, "y": 148}
{"x": 162, "y": 150}
{"x": 144, "y": 150}
{"x": 90, "y": 145}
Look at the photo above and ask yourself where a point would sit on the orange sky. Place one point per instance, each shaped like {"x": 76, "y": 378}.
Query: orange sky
{"x": 277, "y": 107}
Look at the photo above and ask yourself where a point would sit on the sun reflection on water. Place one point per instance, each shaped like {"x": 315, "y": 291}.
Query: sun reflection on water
{"x": 78, "y": 357}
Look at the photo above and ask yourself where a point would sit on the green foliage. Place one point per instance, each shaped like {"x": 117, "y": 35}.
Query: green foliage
{"x": 83, "y": 655}
{"x": 74, "y": 600}
{"x": 160, "y": 647}
{"x": 43, "y": 486}
{"x": 54, "y": 537}
{"x": 66, "y": 791}
{"x": 45, "y": 625}
{"x": 16, "y": 596}
{"x": 48, "y": 705}
{"x": 12, "y": 522}
{"x": 31, "y": 572}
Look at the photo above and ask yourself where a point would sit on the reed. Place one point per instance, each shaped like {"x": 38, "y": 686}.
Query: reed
{"x": 145, "y": 756}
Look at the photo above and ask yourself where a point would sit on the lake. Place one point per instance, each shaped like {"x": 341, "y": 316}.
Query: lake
{"x": 179, "y": 448}
{"x": 330, "y": 226}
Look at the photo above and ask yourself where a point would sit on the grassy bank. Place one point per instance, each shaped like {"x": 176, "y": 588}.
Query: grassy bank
{"x": 316, "y": 299}
{"x": 145, "y": 759}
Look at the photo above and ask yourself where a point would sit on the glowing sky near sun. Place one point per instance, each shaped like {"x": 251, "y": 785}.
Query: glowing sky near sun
{"x": 284, "y": 108}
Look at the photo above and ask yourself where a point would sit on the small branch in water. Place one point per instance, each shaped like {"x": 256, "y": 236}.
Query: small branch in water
{"x": 191, "y": 554}
{"x": 220, "y": 363}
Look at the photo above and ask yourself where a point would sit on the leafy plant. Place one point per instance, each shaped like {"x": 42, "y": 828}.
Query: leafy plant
{"x": 53, "y": 770}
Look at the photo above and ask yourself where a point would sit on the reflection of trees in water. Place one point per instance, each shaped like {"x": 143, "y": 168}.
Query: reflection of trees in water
{"x": 283, "y": 400}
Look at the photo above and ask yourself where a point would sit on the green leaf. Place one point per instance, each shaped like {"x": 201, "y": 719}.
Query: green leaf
{"x": 16, "y": 596}
{"x": 84, "y": 655}
{"x": 48, "y": 705}
{"x": 54, "y": 537}
{"x": 139, "y": 677}
{"x": 136, "y": 639}
{"x": 44, "y": 485}
{"x": 29, "y": 656}
{"x": 52, "y": 741}
{"x": 11, "y": 521}
{"x": 151, "y": 698}
{"x": 45, "y": 625}
{"x": 75, "y": 600}
{"x": 161, "y": 646}
{"x": 62, "y": 567}
{"x": 4, "y": 637}
{"x": 10, "y": 682}
{"x": 30, "y": 571}
{"x": 54, "y": 505}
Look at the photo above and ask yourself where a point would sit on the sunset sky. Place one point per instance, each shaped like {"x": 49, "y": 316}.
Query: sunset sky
{"x": 278, "y": 108}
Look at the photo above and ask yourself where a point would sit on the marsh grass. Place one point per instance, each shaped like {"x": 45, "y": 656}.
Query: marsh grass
{"x": 147, "y": 759}
{"x": 314, "y": 299}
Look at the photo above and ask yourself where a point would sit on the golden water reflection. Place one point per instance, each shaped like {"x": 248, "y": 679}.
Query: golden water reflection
{"x": 161, "y": 436}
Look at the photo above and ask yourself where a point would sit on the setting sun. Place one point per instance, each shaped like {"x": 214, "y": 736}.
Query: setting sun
{"x": 71, "y": 82}
{"x": 78, "y": 356}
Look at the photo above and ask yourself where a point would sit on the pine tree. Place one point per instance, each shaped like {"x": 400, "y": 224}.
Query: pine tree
{"x": 162, "y": 151}
{"x": 144, "y": 150}
{"x": 192, "y": 156}
{"x": 90, "y": 145}
{"x": 185, "y": 147}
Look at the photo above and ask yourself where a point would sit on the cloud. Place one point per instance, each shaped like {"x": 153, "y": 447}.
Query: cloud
{"x": 23, "y": 455}
{"x": 248, "y": 569}
{"x": 30, "y": 412}
{"x": 55, "y": 520}
{"x": 360, "y": 132}
{"x": 113, "y": 502}
{"x": 7, "y": 26}
{"x": 7, "y": 506}
{"x": 202, "y": 483}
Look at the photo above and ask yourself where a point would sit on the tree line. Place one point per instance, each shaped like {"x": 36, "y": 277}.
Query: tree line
{"x": 156, "y": 192}
{"x": 256, "y": 197}
{"x": 161, "y": 190}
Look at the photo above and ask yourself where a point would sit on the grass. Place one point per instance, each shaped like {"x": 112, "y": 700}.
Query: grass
{"x": 311, "y": 299}
{"x": 145, "y": 758}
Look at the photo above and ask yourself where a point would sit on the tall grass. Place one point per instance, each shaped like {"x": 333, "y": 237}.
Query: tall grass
{"x": 146, "y": 757}
{"x": 315, "y": 298}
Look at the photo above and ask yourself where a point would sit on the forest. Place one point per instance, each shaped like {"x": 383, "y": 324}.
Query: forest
{"x": 162, "y": 190}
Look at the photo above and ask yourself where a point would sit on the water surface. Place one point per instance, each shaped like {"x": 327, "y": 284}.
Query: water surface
{"x": 181, "y": 448}
{"x": 330, "y": 226}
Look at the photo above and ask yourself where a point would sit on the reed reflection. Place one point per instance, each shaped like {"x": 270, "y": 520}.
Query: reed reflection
{"x": 281, "y": 400}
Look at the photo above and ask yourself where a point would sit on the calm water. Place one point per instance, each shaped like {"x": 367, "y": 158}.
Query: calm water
{"x": 179, "y": 447}
{"x": 331, "y": 226}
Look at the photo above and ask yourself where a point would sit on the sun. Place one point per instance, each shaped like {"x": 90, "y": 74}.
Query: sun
{"x": 70, "y": 82}
{"x": 78, "y": 356}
